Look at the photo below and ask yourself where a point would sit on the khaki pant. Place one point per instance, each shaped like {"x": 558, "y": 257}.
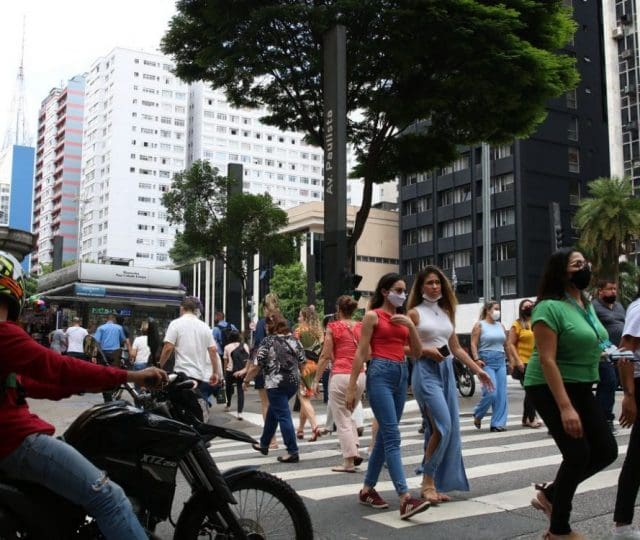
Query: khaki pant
{"x": 346, "y": 427}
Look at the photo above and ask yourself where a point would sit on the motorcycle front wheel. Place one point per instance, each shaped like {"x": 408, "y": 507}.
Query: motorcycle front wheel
{"x": 466, "y": 382}
{"x": 268, "y": 509}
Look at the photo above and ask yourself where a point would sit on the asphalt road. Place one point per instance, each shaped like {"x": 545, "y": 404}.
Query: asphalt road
{"x": 501, "y": 468}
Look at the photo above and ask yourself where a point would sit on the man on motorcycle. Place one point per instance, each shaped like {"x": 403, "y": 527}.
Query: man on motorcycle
{"x": 27, "y": 449}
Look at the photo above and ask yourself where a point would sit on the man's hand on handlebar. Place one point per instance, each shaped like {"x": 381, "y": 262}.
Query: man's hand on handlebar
{"x": 151, "y": 377}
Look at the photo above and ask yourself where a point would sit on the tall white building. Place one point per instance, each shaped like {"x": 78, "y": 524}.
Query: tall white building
{"x": 274, "y": 161}
{"x": 135, "y": 133}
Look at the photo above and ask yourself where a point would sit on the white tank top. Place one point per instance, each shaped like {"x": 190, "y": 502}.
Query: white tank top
{"x": 434, "y": 326}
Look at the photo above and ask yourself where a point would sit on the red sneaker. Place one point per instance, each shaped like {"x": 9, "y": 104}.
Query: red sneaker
{"x": 411, "y": 506}
{"x": 371, "y": 498}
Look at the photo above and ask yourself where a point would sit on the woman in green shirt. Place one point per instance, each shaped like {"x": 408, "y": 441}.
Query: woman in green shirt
{"x": 561, "y": 371}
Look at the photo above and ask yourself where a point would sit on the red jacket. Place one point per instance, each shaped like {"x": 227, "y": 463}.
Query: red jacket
{"x": 44, "y": 374}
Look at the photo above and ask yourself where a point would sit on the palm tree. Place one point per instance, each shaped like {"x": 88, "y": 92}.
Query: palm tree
{"x": 608, "y": 221}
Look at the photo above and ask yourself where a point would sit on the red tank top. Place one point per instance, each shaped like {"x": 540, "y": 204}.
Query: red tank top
{"x": 345, "y": 343}
{"x": 388, "y": 339}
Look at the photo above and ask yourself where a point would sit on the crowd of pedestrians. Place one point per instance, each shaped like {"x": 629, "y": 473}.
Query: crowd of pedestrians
{"x": 562, "y": 347}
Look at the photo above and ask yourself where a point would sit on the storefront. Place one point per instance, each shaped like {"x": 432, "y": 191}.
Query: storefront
{"x": 93, "y": 291}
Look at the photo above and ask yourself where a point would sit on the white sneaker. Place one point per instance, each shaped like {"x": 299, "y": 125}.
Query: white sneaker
{"x": 626, "y": 532}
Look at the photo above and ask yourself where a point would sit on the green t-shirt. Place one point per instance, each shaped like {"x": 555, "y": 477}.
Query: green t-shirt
{"x": 578, "y": 351}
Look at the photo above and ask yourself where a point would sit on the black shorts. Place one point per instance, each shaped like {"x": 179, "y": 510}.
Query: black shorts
{"x": 258, "y": 382}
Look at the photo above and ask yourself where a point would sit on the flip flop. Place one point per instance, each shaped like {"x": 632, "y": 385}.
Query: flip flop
{"x": 444, "y": 498}
{"x": 344, "y": 469}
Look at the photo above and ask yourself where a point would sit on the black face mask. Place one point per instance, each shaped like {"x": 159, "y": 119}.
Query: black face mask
{"x": 581, "y": 278}
{"x": 526, "y": 312}
{"x": 609, "y": 299}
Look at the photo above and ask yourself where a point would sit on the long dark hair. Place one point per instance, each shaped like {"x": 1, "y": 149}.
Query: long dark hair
{"x": 448, "y": 302}
{"x": 554, "y": 282}
{"x": 153, "y": 339}
{"x": 385, "y": 283}
{"x": 524, "y": 323}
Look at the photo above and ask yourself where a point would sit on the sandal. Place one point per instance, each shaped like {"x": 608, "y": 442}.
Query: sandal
{"x": 430, "y": 494}
{"x": 315, "y": 433}
{"x": 540, "y": 501}
{"x": 300, "y": 434}
{"x": 342, "y": 468}
{"x": 477, "y": 422}
{"x": 533, "y": 424}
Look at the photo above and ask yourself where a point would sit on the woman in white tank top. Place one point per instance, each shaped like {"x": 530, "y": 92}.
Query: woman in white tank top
{"x": 432, "y": 304}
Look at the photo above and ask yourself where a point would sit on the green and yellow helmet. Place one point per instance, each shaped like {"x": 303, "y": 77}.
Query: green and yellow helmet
{"x": 11, "y": 284}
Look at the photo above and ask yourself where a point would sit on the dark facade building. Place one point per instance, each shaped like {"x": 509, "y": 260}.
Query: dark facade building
{"x": 536, "y": 185}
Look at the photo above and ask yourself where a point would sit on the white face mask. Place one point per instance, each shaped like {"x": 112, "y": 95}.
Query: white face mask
{"x": 495, "y": 314}
{"x": 432, "y": 299}
{"x": 396, "y": 299}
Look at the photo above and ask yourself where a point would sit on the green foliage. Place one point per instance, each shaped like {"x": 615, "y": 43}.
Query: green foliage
{"x": 231, "y": 227}
{"x": 608, "y": 221}
{"x": 289, "y": 282}
{"x": 628, "y": 283}
{"x": 181, "y": 252}
{"x": 31, "y": 285}
{"x": 471, "y": 70}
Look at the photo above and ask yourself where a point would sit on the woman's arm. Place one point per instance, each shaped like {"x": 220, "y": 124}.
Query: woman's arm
{"x": 369, "y": 322}
{"x": 415, "y": 345}
{"x": 512, "y": 350}
{"x": 547, "y": 344}
{"x": 629, "y": 408}
{"x": 475, "y": 341}
{"x": 325, "y": 356}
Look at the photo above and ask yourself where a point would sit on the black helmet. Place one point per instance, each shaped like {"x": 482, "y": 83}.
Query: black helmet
{"x": 11, "y": 284}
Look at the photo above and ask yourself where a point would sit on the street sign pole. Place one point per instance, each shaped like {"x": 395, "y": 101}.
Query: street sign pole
{"x": 335, "y": 164}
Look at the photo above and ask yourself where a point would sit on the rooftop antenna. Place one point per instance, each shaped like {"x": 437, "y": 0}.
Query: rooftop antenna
{"x": 16, "y": 132}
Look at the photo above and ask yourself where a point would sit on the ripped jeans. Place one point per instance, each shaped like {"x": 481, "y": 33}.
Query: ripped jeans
{"x": 47, "y": 461}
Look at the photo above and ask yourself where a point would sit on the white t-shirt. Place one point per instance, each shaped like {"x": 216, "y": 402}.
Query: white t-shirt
{"x": 75, "y": 339}
{"x": 632, "y": 328}
{"x": 141, "y": 345}
{"x": 192, "y": 339}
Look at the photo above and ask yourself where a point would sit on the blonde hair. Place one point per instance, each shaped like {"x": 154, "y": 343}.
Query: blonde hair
{"x": 270, "y": 304}
{"x": 311, "y": 322}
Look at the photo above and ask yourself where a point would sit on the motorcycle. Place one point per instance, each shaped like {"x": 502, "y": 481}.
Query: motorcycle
{"x": 465, "y": 380}
{"x": 141, "y": 448}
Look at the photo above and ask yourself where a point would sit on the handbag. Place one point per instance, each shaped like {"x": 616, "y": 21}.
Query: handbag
{"x": 221, "y": 396}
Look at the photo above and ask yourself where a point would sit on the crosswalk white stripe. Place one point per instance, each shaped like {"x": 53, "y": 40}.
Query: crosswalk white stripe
{"x": 229, "y": 450}
{"x": 487, "y": 504}
{"x": 323, "y": 493}
{"x": 413, "y": 460}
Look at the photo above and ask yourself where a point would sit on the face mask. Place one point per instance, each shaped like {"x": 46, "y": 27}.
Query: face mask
{"x": 432, "y": 299}
{"x": 527, "y": 312}
{"x": 495, "y": 315}
{"x": 581, "y": 278}
{"x": 396, "y": 299}
{"x": 609, "y": 299}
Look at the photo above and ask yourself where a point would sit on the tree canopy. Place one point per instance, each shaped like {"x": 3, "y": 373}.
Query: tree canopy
{"x": 608, "y": 221}
{"x": 470, "y": 70}
{"x": 217, "y": 222}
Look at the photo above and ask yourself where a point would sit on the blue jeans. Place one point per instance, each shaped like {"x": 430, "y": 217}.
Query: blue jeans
{"x": 49, "y": 462}
{"x": 387, "y": 383}
{"x": 279, "y": 413}
{"x": 496, "y": 368}
{"x": 606, "y": 389}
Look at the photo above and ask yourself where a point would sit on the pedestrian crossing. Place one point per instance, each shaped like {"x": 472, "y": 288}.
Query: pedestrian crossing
{"x": 501, "y": 468}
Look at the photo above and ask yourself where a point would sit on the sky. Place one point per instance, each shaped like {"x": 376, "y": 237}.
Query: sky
{"x": 64, "y": 37}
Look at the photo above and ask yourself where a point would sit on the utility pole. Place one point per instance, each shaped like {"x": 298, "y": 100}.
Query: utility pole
{"x": 486, "y": 222}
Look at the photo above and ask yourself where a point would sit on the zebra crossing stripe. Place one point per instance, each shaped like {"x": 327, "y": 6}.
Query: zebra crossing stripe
{"x": 480, "y": 471}
{"x": 487, "y": 504}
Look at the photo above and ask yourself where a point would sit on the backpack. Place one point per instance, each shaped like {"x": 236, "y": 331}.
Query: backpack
{"x": 239, "y": 357}
{"x": 225, "y": 334}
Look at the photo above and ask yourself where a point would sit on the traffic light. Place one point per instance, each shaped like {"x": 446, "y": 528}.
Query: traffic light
{"x": 350, "y": 284}
{"x": 557, "y": 230}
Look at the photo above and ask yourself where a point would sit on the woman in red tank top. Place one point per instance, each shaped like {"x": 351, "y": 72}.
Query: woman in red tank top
{"x": 386, "y": 332}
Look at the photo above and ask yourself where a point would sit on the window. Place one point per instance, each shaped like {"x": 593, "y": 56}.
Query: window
{"x": 508, "y": 285}
{"x": 499, "y": 152}
{"x": 462, "y": 226}
{"x": 461, "y": 163}
{"x": 409, "y": 207}
{"x": 462, "y": 258}
{"x": 572, "y": 131}
{"x": 504, "y": 251}
{"x": 425, "y": 234}
{"x": 462, "y": 194}
{"x": 410, "y": 237}
{"x": 574, "y": 160}
{"x": 503, "y": 182}
{"x": 445, "y": 198}
{"x": 423, "y": 203}
{"x": 503, "y": 217}
{"x": 572, "y": 99}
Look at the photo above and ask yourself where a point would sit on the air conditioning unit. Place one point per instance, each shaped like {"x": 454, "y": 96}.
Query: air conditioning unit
{"x": 629, "y": 89}
{"x": 627, "y": 53}
{"x": 636, "y": 164}
{"x": 630, "y": 126}
{"x": 617, "y": 32}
